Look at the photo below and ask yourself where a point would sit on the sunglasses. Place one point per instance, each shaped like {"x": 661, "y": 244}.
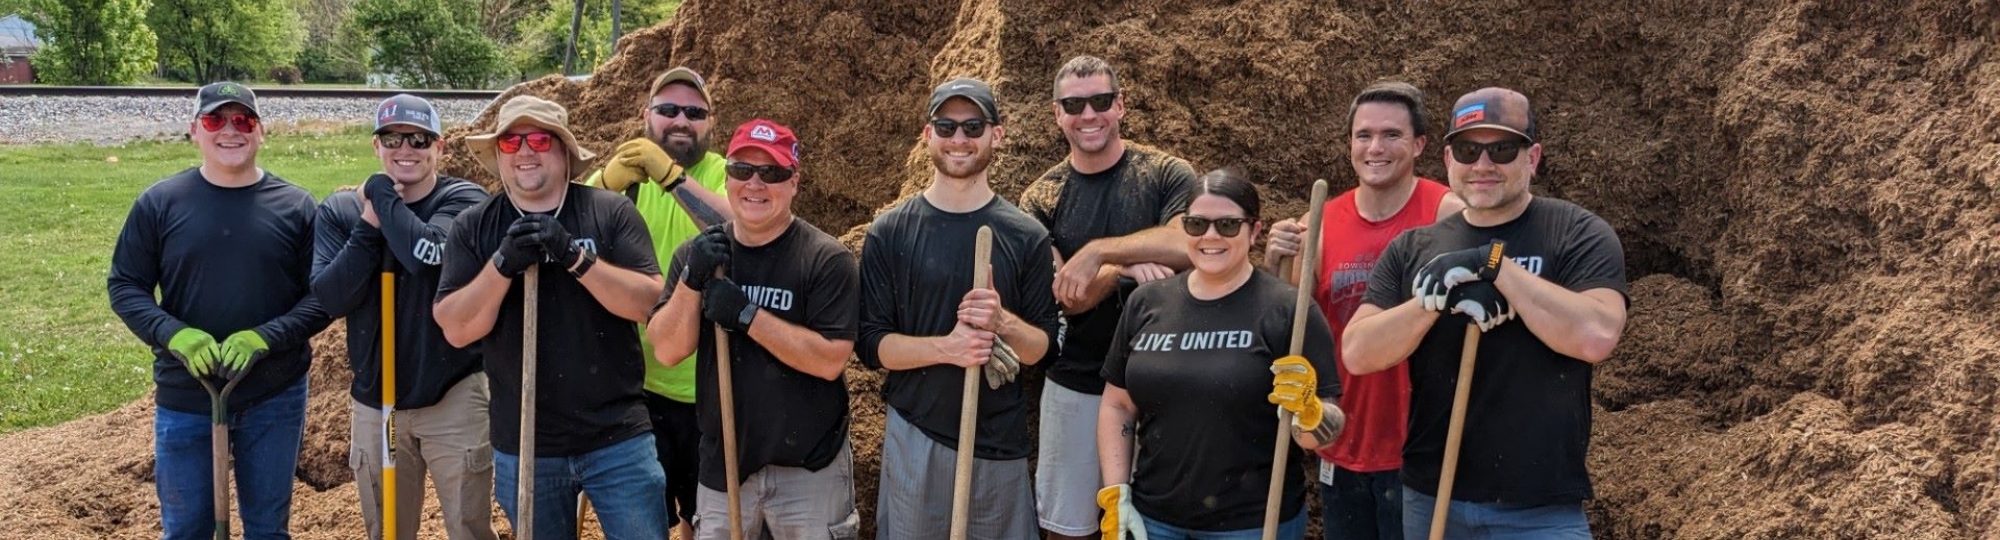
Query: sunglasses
{"x": 538, "y": 141}
{"x": 420, "y": 141}
{"x": 1502, "y": 152}
{"x": 670, "y": 110}
{"x": 769, "y": 174}
{"x": 1099, "y": 102}
{"x": 973, "y": 127}
{"x": 1228, "y": 227}
{"x": 243, "y": 123}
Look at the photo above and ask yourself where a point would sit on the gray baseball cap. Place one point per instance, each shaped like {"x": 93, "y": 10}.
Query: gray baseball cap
{"x": 215, "y": 95}
{"x": 407, "y": 110}
{"x": 971, "y": 89}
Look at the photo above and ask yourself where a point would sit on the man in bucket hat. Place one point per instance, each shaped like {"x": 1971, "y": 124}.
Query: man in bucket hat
{"x": 598, "y": 276}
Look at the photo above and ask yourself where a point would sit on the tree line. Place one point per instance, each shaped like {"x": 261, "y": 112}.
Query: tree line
{"x": 404, "y": 43}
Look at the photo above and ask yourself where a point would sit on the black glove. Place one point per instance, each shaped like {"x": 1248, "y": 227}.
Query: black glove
{"x": 554, "y": 240}
{"x": 1437, "y": 277}
{"x": 1482, "y": 302}
{"x": 723, "y": 302}
{"x": 520, "y": 249}
{"x": 708, "y": 252}
{"x": 380, "y": 188}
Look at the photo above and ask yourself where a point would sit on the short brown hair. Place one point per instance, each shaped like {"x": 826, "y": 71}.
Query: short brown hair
{"x": 1396, "y": 92}
{"x": 1083, "y": 66}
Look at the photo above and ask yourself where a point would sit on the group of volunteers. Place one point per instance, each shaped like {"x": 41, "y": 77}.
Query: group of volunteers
{"x": 1121, "y": 273}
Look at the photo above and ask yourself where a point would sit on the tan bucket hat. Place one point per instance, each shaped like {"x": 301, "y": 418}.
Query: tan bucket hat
{"x": 536, "y": 112}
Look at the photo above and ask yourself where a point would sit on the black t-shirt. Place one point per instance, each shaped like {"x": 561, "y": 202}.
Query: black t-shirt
{"x": 1145, "y": 189}
{"x": 588, "y": 392}
{"x": 1199, "y": 372}
{"x": 347, "y": 278}
{"x": 784, "y": 417}
{"x": 224, "y": 260}
{"x": 1527, "y": 423}
{"x": 916, "y": 266}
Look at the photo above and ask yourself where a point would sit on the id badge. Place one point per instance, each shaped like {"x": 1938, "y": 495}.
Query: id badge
{"x": 1325, "y": 472}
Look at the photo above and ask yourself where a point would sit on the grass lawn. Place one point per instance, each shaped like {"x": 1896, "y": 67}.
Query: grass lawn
{"x": 63, "y": 353}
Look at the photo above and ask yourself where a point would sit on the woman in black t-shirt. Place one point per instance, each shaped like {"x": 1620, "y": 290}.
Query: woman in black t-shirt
{"x": 1190, "y": 375}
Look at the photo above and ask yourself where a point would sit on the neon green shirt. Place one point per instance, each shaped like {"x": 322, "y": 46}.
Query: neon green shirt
{"x": 671, "y": 226}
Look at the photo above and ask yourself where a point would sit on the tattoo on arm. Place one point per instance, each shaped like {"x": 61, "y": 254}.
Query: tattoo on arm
{"x": 1125, "y": 429}
{"x": 702, "y": 214}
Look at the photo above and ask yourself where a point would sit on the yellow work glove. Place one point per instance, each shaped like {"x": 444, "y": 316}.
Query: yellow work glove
{"x": 1119, "y": 517}
{"x": 1292, "y": 384}
{"x": 646, "y": 156}
{"x": 618, "y": 176}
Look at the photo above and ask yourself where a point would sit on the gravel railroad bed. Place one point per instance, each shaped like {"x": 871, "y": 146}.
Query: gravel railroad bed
{"x": 113, "y": 120}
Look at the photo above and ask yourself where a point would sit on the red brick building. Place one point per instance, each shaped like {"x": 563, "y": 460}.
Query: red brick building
{"x": 17, "y": 44}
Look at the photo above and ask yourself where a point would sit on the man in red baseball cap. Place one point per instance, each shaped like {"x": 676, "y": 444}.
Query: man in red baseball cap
{"x": 789, "y": 296}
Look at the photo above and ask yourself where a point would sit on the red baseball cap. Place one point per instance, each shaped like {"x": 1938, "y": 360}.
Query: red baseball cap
{"x": 773, "y": 139}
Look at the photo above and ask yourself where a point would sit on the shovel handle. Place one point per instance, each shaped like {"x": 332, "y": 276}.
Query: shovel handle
{"x": 1468, "y": 356}
{"x": 1281, "y": 450}
{"x": 725, "y": 387}
{"x": 968, "y": 410}
{"x": 524, "y": 494}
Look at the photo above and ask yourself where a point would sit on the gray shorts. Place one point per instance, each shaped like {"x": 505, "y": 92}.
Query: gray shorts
{"x": 1068, "y": 478}
{"x": 786, "y": 503}
{"x": 915, "y": 497}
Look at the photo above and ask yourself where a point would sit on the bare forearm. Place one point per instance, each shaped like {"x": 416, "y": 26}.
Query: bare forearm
{"x": 627, "y": 293}
{"x": 467, "y": 314}
{"x": 1100, "y": 288}
{"x": 800, "y": 347}
{"x": 1165, "y": 244}
{"x": 1583, "y": 325}
{"x": 703, "y": 206}
{"x": 675, "y": 330}
{"x": 1115, "y": 427}
{"x": 1378, "y": 339}
{"x": 899, "y": 352}
{"x": 1030, "y": 343}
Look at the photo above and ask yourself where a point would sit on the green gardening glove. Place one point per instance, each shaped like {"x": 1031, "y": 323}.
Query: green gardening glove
{"x": 238, "y": 351}
{"x": 194, "y": 348}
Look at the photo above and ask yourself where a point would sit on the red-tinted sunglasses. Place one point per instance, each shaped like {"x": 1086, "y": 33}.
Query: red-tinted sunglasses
{"x": 538, "y": 141}
{"x": 213, "y": 122}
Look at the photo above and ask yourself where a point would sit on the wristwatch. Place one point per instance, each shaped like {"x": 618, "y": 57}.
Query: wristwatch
{"x": 583, "y": 263}
{"x": 749, "y": 313}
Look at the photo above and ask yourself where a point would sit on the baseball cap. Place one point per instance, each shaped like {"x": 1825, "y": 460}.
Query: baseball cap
{"x": 1491, "y": 108}
{"x": 408, "y": 110}
{"x": 215, "y": 95}
{"x": 773, "y": 139}
{"x": 684, "y": 75}
{"x": 971, "y": 89}
{"x": 534, "y": 111}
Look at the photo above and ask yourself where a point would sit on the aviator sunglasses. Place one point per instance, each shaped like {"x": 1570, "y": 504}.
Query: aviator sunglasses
{"x": 1228, "y": 227}
{"x": 213, "y": 122}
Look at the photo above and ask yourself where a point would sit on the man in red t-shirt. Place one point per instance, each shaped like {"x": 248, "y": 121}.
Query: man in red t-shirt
{"x": 1358, "y": 472}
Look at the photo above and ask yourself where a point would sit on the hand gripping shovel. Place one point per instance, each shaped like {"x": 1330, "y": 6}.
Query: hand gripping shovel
{"x": 1308, "y": 271}
{"x": 968, "y": 412}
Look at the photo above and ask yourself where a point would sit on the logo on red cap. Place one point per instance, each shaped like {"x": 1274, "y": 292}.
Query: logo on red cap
{"x": 764, "y": 133}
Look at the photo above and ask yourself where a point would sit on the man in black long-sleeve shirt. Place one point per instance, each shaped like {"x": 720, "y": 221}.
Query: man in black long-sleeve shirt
{"x": 400, "y": 218}
{"x": 229, "y": 247}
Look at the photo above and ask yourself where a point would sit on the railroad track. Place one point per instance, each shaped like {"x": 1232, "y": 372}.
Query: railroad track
{"x": 268, "y": 92}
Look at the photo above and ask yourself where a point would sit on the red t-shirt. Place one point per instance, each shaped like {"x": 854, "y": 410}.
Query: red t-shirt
{"x": 1377, "y": 405}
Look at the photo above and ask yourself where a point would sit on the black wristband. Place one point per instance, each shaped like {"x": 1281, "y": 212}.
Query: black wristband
{"x": 584, "y": 260}
{"x": 676, "y": 182}
{"x": 749, "y": 313}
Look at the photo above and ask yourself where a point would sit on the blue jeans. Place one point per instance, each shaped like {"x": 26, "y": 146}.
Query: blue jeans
{"x": 1290, "y": 529}
{"x": 264, "y": 443}
{"x": 1469, "y": 520}
{"x": 1363, "y": 506}
{"x": 624, "y": 482}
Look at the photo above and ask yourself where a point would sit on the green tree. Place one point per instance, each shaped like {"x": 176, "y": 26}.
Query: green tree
{"x": 101, "y": 42}
{"x": 212, "y": 40}
{"x": 545, "y": 36}
{"x": 335, "y": 50}
{"x": 423, "y": 45}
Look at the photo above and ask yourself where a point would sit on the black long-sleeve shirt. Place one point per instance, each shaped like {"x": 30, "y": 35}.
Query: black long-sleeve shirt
{"x": 347, "y": 278}
{"x": 224, "y": 260}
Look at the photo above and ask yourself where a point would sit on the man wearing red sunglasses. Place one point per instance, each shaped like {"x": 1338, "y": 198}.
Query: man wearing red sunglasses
{"x": 1114, "y": 208}
{"x": 598, "y": 276}
{"x": 401, "y": 217}
{"x": 1510, "y": 254}
{"x": 228, "y": 246}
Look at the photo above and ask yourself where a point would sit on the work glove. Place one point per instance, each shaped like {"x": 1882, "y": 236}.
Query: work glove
{"x": 1436, "y": 278}
{"x": 1293, "y": 382}
{"x": 554, "y": 240}
{"x": 1120, "y": 519}
{"x": 239, "y": 351}
{"x": 196, "y": 349}
{"x": 380, "y": 188}
{"x": 709, "y": 252}
{"x": 520, "y": 249}
{"x": 644, "y": 156}
{"x": 723, "y": 302}
{"x": 1482, "y": 302}
{"x": 1003, "y": 366}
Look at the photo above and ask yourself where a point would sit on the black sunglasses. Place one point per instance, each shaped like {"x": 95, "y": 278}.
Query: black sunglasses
{"x": 1502, "y": 152}
{"x": 391, "y": 139}
{"x": 769, "y": 174}
{"x": 1099, "y": 102}
{"x": 670, "y": 110}
{"x": 1228, "y": 227}
{"x": 974, "y": 127}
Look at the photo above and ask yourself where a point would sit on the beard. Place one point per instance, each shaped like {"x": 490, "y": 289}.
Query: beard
{"x": 945, "y": 166}
{"x": 686, "y": 154}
